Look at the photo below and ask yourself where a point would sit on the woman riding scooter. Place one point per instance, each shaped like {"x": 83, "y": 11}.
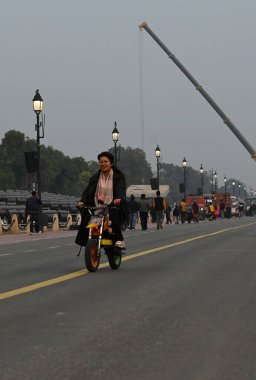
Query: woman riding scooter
{"x": 108, "y": 185}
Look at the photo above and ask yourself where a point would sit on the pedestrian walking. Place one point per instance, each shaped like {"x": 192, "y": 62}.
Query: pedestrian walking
{"x": 133, "y": 212}
{"x": 240, "y": 209}
{"x": 222, "y": 209}
{"x": 228, "y": 211}
{"x": 159, "y": 205}
{"x": 144, "y": 207}
{"x": 33, "y": 210}
{"x": 176, "y": 214}
{"x": 195, "y": 212}
{"x": 183, "y": 211}
{"x": 211, "y": 210}
{"x": 216, "y": 212}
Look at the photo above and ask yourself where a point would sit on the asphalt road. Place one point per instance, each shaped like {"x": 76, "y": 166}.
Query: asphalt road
{"x": 181, "y": 307}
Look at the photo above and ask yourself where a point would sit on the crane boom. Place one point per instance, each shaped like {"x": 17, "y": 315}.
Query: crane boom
{"x": 199, "y": 88}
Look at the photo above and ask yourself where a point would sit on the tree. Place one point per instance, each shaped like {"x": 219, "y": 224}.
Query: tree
{"x": 12, "y": 158}
{"x": 134, "y": 165}
{"x": 65, "y": 175}
{"x": 7, "y": 180}
{"x": 83, "y": 181}
{"x": 59, "y": 173}
{"x": 174, "y": 175}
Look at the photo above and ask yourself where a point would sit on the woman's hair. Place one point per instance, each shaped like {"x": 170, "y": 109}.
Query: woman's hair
{"x": 108, "y": 155}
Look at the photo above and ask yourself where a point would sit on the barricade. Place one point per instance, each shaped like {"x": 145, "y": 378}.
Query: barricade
{"x": 72, "y": 221}
{"x": 69, "y": 221}
{"x": 14, "y": 228}
{"x": 6, "y": 223}
{"x": 78, "y": 219}
{"x": 53, "y": 222}
{"x": 25, "y": 226}
{"x": 50, "y": 222}
{"x": 64, "y": 219}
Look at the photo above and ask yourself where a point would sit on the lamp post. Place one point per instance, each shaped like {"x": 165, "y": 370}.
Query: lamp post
{"x": 215, "y": 181}
{"x": 239, "y": 187}
{"x": 184, "y": 165}
{"x": 201, "y": 170}
{"x": 233, "y": 184}
{"x": 158, "y": 154}
{"x": 38, "y": 107}
{"x": 115, "y": 138}
{"x": 225, "y": 183}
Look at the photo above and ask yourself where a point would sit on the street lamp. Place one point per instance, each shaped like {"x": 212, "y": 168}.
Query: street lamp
{"x": 38, "y": 107}
{"x": 201, "y": 170}
{"x": 233, "y": 184}
{"x": 115, "y": 138}
{"x": 158, "y": 154}
{"x": 225, "y": 183}
{"x": 184, "y": 164}
{"x": 239, "y": 187}
{"x": 215, "y": 181}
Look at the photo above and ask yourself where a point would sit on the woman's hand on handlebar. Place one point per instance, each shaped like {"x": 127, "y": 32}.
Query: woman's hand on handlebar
{"x": 117, "y": 202}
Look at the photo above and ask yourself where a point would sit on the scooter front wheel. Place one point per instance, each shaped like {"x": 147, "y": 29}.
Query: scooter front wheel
{"x": 114, "y": 257}
{"x": 91, "y": 255}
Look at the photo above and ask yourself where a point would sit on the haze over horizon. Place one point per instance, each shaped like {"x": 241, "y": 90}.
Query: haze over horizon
{"x": 84, "y": 57}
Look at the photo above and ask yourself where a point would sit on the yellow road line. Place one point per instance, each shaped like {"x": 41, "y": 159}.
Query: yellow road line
{"x": 143, "y": 253}
{"x": 42, "y": 284}
{"x": 53, "y": 281}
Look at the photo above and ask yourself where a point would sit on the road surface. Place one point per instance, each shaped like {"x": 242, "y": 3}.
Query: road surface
{"x": 181, "y": 306}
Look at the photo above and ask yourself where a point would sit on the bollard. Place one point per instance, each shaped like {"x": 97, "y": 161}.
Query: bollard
{"x": 69, "y": 221}
{"x": 55, "y": 223}
{"x": 78, "y": 219}
{"x": 44, "y": 223}
{"x": 15, "y": 224}
{"x": 28, "y": 225}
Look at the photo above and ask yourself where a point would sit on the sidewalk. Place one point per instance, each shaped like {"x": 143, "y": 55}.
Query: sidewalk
{"x": 10, "y": 238}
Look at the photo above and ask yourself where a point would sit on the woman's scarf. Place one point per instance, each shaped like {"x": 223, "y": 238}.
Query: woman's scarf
{"x": 104, "y": 190}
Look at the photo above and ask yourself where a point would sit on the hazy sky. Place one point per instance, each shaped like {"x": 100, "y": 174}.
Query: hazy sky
{"x": 84, "y": 57}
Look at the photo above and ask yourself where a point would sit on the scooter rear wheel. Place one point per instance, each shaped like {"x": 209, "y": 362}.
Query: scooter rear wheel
{"x": 91, "y": 255}
{"x": 114, "y": 258}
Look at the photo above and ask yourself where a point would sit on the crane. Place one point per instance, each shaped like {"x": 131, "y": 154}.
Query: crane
{"x": 199, "y": 88}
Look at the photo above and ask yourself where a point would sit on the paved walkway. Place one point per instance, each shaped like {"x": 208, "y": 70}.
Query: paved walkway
{"x": 10, "y": 238}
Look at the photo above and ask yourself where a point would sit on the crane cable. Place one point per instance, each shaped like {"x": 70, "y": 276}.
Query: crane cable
{"x": 141, "y": 90}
